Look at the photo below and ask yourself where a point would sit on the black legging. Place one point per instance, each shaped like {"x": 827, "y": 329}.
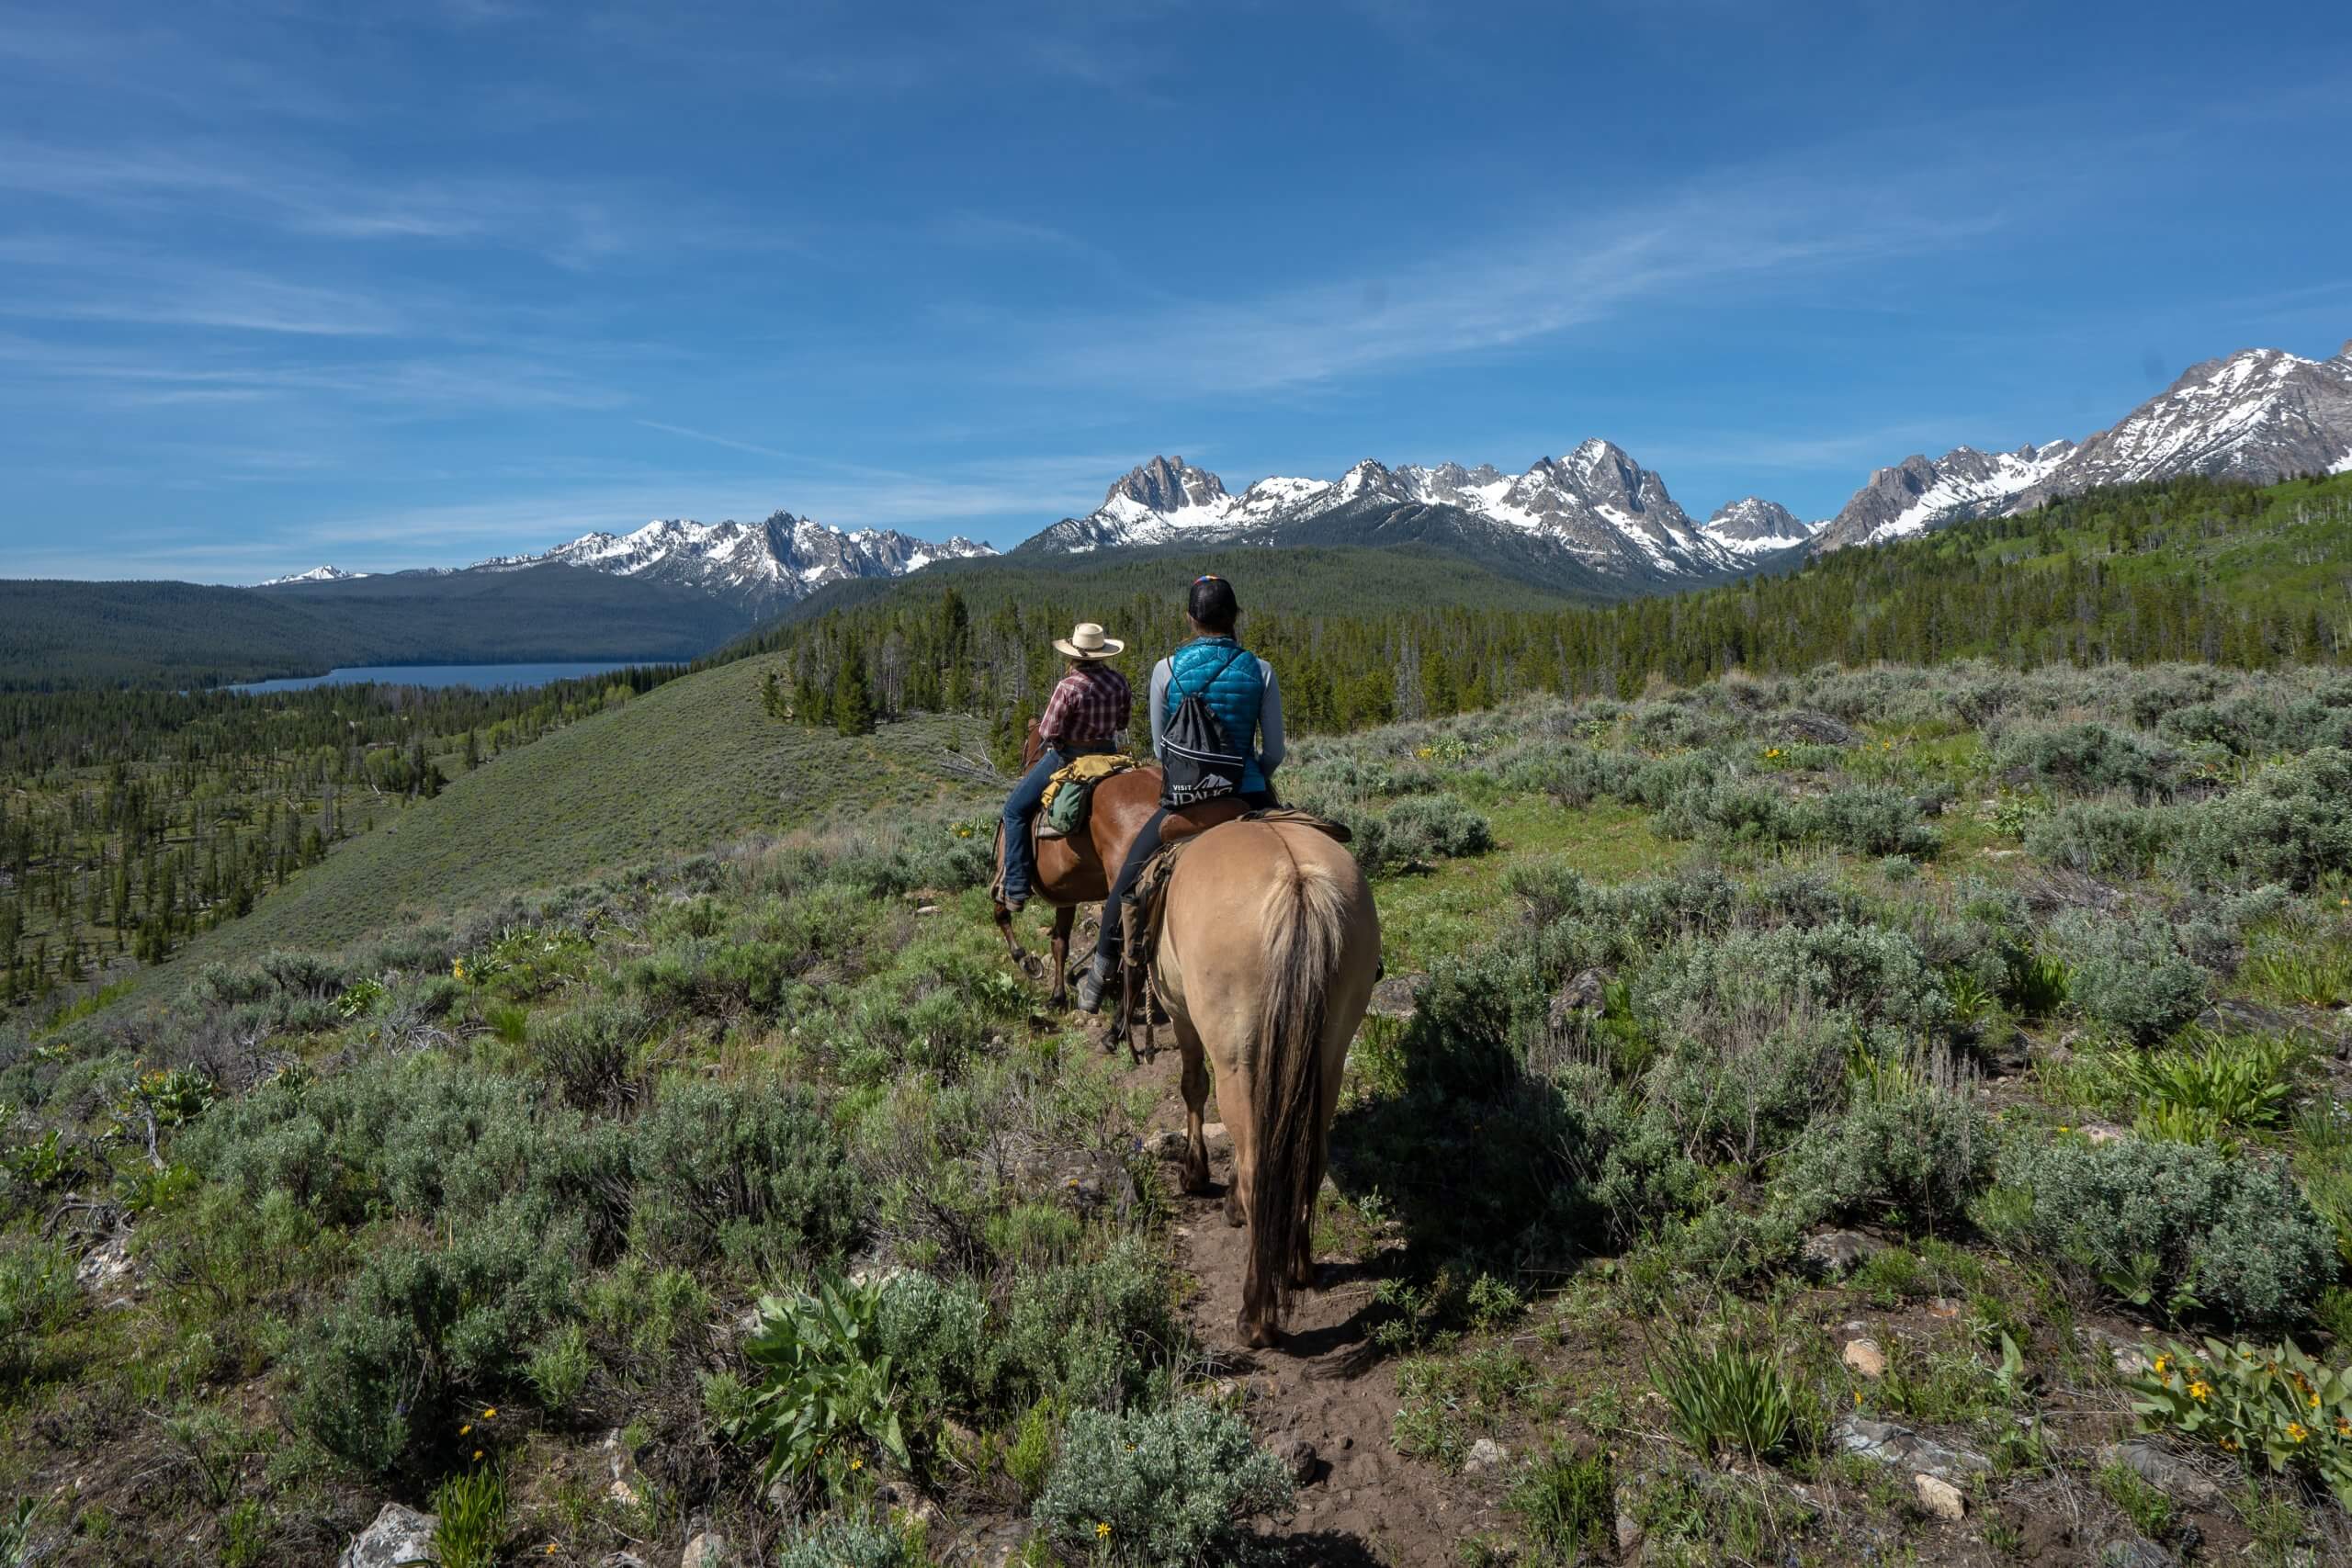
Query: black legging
{"x": 1115, "y": 926}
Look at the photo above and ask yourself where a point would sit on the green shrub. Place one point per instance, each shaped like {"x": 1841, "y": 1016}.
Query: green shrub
{"x": 1726, "y": 1397}
{"x": 1868, "y": 819}
{"x": 1868, "y": 972}
{"x": 2212, "y": 1084}
{"x": 2274, "y": 1401}
{"x": 379, "y": 1378}
{"x": 756, "y": 1173}
{"x": 1436, "y": 827}
{"x": 2129, "y": 974}
{"x": 2234, "y": 1235}
{"x": 847, "y": 1543}
{"x": 589, "y": 1053}
{"x": 2085, "y": 759}
{"x": 559, "y": 1368}
{"x": 1166, "y": 1488}
{"x": 1911, "y": 1154}
{"x": 937, "y": 1336}
{"x": 827, "y": 1399}
{"x": 1037, "y": 1438}
{"x": 1089, "y": 1333}
{"x": 2292, "y": 824}
{"x": 2104, "y": 838}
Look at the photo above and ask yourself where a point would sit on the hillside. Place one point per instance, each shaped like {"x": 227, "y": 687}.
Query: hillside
{"x": 1802, "y": 1118}
{"x": 55, "y": 634}
{"x": 672, "y": 773}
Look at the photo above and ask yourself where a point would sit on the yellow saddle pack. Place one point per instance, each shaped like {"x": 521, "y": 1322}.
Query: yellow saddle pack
{"x": 1071, "y": 787}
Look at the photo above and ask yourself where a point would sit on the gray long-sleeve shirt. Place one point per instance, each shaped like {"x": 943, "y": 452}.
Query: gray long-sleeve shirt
{"x": 1269, "y": 715}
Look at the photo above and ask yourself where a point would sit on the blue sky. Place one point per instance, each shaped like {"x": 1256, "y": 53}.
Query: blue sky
{"x": 386, "y": 286}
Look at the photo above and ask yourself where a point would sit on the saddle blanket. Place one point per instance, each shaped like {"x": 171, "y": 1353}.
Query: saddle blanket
{"x": 1071, "y": 787}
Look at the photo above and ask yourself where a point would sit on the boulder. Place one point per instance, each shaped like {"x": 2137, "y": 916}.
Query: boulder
{"x": 1298, "y": 1455}
{"x": 399, "y": 1535}
{"x": 1818, "y": 729}
{"x": 1939, "y": 1497}
{"x": 1393, "y": 997}
{"x": 1864, "y": 1357}
{"x": 2135, "y": 1553}
{"x": 2129, "y": 1356}
{"x": 106, "y": 1264}
{"x": 1486, "y": 1454}
{"x": 1587, "y": 993}
{"x": 2166, "y": 1472}
{"x": 1834, "y": 1254}
{"x": 1887, "y": 1443}
{"x": 708, "y": 1550}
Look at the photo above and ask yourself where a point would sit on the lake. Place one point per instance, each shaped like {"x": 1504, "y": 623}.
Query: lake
{"x": 486, "y": 677}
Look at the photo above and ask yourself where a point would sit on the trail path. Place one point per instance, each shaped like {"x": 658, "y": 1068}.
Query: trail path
{"x": 1364, "y": 1502}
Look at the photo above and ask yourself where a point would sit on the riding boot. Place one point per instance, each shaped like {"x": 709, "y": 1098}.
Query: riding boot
{"x": 1097, "y": 983}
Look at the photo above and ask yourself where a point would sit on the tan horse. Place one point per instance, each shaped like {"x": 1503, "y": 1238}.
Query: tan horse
{"x": 1075, "y": 871}
{"x": 1266, "y": 959}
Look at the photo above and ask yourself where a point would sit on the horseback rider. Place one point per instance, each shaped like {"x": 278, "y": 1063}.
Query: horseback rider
{"x": 1238, "y": 687}
{"x": 1087, "y": 713}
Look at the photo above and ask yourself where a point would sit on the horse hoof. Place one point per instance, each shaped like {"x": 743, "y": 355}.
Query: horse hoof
{"x": 1233, "y": 1215}
{"x": 1260, "y": 1336}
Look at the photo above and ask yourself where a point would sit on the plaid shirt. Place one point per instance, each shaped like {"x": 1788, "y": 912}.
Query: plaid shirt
{"x": 1088, "y": 707}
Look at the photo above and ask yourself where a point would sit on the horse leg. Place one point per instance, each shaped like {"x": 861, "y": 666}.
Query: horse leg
{"x": 1335, "y": 1061}
{"x": 1064, "y": 918}
{"x": 1233, "y": 1103}
{"x": 1196, "y": 1084}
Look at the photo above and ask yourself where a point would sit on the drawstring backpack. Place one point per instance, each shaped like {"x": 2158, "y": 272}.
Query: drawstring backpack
{"x": 1197, "y": 762}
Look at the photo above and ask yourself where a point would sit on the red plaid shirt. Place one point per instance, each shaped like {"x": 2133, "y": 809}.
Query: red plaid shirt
{"x": 1088, "y": 705}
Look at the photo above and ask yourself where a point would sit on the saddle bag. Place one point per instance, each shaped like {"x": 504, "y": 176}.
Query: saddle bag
{"x": 1197, "y": 762}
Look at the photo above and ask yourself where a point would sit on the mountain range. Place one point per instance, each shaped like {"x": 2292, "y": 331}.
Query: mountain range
{"x": 1594, "y": 522}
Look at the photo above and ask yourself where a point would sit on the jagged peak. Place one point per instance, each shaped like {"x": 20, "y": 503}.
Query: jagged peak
{"x": 1167, "y": 484}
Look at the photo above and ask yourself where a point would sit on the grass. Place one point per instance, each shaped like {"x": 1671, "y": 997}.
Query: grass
{"x": 687, "y": 766}
{"x": 1453, "y": 907}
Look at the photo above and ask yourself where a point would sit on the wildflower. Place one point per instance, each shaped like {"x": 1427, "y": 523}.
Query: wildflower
{"x": 1102, "y": 1530}
{"x": 457, "y": 969}
{"x": 477, "y": 1455}
{"x": 2296, "y": 1430}
{"x": 857, "y": 1464}
{"x": 2161, "y": 1362}
{"x": 466, "y": 1430}
{"x": 2314, "y": 1401}
{"x": 2230, "y": 1444}
{"x": 2343, "y": 1427}
{"x": 2199, "y": 1389}
{"x": 490, "y": 1413}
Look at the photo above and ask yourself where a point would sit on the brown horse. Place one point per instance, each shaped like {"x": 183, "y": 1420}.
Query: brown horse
{"x": 1078, "y": 870}
{"x": 1266, "y": 959}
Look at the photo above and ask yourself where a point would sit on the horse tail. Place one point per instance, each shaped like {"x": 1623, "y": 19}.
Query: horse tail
{"x": 1307, "y": 928}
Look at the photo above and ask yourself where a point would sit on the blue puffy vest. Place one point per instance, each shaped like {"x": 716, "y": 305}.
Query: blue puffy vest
{"x": 1234, "y": 696}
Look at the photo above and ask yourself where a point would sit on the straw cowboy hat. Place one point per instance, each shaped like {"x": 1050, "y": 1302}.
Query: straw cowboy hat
{"x": 1086, "y": 641}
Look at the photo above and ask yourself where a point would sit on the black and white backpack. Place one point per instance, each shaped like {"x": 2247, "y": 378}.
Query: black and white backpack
{"x": 1197, "y": 762}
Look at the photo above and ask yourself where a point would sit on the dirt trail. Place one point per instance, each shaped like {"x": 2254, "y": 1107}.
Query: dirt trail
{"x": 1364, "y": 1502}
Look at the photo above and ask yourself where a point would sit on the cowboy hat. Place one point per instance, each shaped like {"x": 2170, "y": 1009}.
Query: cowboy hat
{"x": 1086, "y": 641}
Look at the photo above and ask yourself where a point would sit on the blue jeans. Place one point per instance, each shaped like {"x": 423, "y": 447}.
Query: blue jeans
{"x": 1027, "y": 797}
{"x": 1114, "y": 923}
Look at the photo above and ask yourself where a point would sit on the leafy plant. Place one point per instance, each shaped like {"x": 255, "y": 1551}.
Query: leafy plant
{"x": 469, "y": 1518}
{"x": 2236, "y": 1081}
{"x": 362, "y": 998}
{"x": 1725, "y": 1396}
{"x": 1164, "y": 1488}
{"x": 1030, "y": 1459}
{"x": 2272, "y": 1400}
{"x": 2038, "y": 983}
{"x": 827, "y": 1398}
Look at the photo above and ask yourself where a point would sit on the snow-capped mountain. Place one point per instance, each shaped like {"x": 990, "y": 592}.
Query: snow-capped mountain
{"x": 2260, "y": 415}
{"x": 1917, "y": 494}
{"x": 758, "y": 564}
{"x": 1758, "y": 527}
{"x": 1596, "y": 506}
{"x": 316, "y": 574}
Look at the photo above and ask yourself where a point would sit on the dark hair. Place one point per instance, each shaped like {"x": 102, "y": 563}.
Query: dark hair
{"x": 1213, "y": 606}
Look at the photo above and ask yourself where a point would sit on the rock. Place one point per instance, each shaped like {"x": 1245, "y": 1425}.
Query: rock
{"x": 1939, "y": 1497}
{"x": 1486, "y": 1454}
{"x": 106, "y": 1264}
{"x": 1393, "y": 997}
{"x": 1629, "y": 1535}
{"x": 708, "y": 1550}
{"x": 1834, "y": 1253}
{"x": 1166, "y": 1146}
{"x": 2135, "y": 1553}
{"x": 1863, "y": 1355}
{"x": 1585, "y": 993}
{"x": 2166, "y": 1472}
{"x": 1299, "y": 1455}
{"x": 1818, "y": 727}
{"x": 1890, "y": 1444}
{"x": 2131, "y": 1358}
{"x": 621, "y": 1560}
{"x": 2103, "y": 1131}
{"x": 399, "y": 1535}
{"x": 624, "y": 1488}
{"x": 927, "y": 909}
{"x": 907, "y": 1506}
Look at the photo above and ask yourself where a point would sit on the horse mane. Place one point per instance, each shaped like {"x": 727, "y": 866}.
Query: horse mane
{"x": 1306, "y": 933}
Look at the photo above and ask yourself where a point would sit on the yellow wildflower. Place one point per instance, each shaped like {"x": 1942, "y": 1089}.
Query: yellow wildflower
{"x": 2295, "y": 1429}
{"x": 2343, "y": 1427}
{"x": 2230, "y": 1444}
{"x": 477, "y": 1453}
{"x": 2161, "y": 1362}
{"x": 466, "y": 1430}
{"x": 1102, "y": 1530}
{"x": 2200, "y": 1390}
{"x": 857, "y": 1464}
{"x": 490, "y": 1413}
{"x": 2314, "y": 1401}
